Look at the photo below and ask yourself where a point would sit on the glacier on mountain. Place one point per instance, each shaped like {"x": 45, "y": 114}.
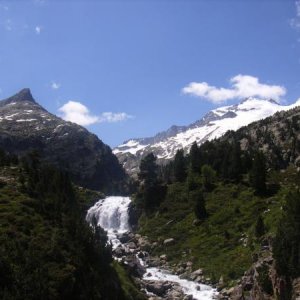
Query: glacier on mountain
{"x": 213, "y": 125}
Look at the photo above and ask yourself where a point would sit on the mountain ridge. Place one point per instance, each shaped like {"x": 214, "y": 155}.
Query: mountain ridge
{"x": 212, "y": 125}
{"x": 27, "y": 126}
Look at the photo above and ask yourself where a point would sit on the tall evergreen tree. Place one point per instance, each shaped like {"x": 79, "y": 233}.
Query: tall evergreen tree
{"x": 195, "y": 159}
{"x": 235, "y": 167}
{"x": 151, "y": 189}
{"x": 257, "y": 176}
{"x": 179, "y": 166}
{"x": 200, "y": 207}
{"x": 259, "y": 227}
{"x": 286, "y": 246}
{"x": 209, "y": 176}
{"x": 148, "y": 169}
{"x": 231, "y": 166}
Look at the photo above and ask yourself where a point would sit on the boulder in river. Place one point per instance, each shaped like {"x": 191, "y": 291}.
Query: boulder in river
{"x": 163, "y": 257}
{"x": 144, "y": 243}
{"x": 133, "y": 265}
{"x": 158, "y": 288}
{"x": 124, "y": 237}
{"x": 131, "y": 245}
{"x": 119, "y": 251}
{"x": 198, "y": 272}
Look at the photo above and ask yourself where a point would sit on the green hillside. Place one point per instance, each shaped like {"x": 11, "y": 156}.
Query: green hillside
{"x": 47, "y": 250}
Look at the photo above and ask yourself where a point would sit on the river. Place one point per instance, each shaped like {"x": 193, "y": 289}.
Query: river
{"x": 111, "y": 214}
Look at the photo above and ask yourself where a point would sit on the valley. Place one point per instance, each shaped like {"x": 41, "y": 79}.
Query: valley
{"x": 149, "y": 150}
{"x": 217, "y": 221}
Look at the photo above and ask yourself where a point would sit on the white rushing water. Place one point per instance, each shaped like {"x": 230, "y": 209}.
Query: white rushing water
{"x": 199, "y": 291}
{"x": 111, "y": 214}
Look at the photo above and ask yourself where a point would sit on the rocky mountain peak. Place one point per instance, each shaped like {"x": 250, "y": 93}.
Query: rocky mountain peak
{"x": 254, "y": 99}
{"x": 25, "y": 126}
{"x": 212, "y": 125}
{"x": 22, "y": 96}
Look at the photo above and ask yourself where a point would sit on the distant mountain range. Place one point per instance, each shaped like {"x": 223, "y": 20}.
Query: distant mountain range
{"x": 213, "y": 125}
{"x": 27, "y": 126}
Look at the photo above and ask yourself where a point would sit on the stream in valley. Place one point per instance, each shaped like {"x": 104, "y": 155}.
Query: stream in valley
{"x": 111, "y": 214}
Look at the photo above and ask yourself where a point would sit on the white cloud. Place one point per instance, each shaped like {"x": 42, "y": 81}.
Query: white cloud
{"x": 242, "y": 86}
{"x": 114, "y": 117}
{"x": 55, "y": 85}
{"x": 78, "y": 113}
{"x": 295, "y": 22}
{"x": 38, "y": 30}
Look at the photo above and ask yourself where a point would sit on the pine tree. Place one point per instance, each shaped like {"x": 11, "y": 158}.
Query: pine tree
{"x": 286, "y": 246}
{"x": 235, "y": 168}
{"x": 231, "y": 166}
{"x": 195, "y": 160}
{"x": 191, "y": 181}
{"x": 257, "y": 174}
{"x": 148, "y": 169}
{"x": 259, "y": 227}
{"x": 200, "y": 208}
{"x": 180, "y": 166}
{"x": 151, "y": 189}
{"x": 209, "y": 176}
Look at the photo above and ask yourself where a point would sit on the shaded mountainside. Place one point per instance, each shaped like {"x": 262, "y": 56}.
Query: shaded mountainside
{"x": 213, "y": 125}
{"x": 27, "y": 126}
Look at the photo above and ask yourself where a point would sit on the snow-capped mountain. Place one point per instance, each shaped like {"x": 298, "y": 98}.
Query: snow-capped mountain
{"x": 213, "y": 125}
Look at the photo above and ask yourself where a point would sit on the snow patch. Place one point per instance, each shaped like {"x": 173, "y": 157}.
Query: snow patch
{"x": 26, "y": 120}
{"x": 248, "y": 111}
{"x": 130, "y": 147}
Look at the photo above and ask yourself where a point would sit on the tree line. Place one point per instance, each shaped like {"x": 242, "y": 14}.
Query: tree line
{"x": 47, "y": 249}
{"x": 200, "y": 169}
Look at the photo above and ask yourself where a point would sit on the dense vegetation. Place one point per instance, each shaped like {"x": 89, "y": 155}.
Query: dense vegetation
{"x": 221, "y": 204}
{"x": 47, "y": 250}
{"x": 287, "y": 241}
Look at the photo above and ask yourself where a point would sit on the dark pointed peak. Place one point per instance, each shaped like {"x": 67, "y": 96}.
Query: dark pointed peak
{"x": 23, "y": 95}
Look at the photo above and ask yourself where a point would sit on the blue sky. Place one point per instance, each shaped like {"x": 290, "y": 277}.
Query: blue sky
{"x": 134, "y": 68}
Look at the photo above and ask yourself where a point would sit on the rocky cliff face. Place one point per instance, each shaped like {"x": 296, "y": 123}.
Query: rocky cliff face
{"x": 261, "y": 281}
{"x": 213, "y": 125}
{"x": 278, "y": 137}
{"x": 27, "y": 126}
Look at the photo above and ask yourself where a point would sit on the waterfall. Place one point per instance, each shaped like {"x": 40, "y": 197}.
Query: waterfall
{"x": 111, "y": 214}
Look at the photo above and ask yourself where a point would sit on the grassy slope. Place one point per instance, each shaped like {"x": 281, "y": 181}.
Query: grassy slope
{"x": 21, "y": 223}
{"x": 130, "y": 290}
{"x": 224, "y": 243}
